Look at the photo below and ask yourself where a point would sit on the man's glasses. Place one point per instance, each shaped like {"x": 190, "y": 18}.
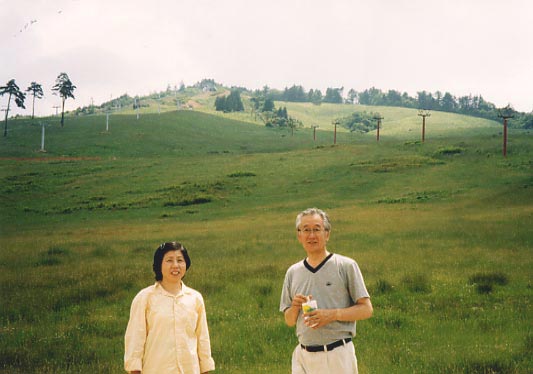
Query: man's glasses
{"x": 308, "y": 231}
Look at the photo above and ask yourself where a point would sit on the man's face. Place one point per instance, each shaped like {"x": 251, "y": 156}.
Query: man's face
{"x": 312, "y": 235}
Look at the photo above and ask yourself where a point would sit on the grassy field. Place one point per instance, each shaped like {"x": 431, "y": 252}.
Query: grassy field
{"x": 442, "y": 230}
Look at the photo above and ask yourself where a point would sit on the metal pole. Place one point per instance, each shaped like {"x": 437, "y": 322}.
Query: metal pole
{"x": 423, "y": 128}
{"x": 314, "y": 132}
{"x": 42, "y": 137}
{"x": 505, "y": 137}
{"x": 505, "y": 113}
{"x": 424, "y": 113}
{"x": 107, "y": 122}
{"x": 378, "y": 118}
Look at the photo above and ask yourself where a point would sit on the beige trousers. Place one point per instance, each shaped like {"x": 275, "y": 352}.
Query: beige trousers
{"x": 341, "y": 360}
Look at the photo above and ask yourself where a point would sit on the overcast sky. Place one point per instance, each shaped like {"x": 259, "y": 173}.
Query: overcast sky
{"x": 112, "y": 47}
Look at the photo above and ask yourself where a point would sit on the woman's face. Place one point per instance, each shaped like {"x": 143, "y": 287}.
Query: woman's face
{"x": 173, "y": 266}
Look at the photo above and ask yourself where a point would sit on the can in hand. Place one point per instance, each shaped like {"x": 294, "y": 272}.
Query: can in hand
{"x": 309, "y": 306}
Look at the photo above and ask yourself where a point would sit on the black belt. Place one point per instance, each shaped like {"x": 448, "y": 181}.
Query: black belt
{"x": 327, "y": 348}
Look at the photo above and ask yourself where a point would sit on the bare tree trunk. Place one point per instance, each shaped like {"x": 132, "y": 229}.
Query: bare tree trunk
{"x": 33, "y": 108}
{"x": 62, "y": 112}
{"x": 7, "y": 112}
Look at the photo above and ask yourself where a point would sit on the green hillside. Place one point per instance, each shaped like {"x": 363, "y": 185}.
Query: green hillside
{"x": 397, "y": 121}
{"x": 442, "y": 231}
{"x": 178, "y": 133}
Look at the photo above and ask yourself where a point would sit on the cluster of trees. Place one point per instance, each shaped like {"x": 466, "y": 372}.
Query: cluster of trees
{"x": 522, "y": 120}
{"x": 205, "y": 85}
{"x": 263, "y": 104}
{"x": 119, "y": 102}
{"x": 471, "y": 105}
{"x": 360, "y": 121}
{"x": 63, "y": 87}
{"x": 280, "y": 119}
{"x": 229, "y": 103}
{"x": 297, "y": 93}
{"x": 116, "y": 103}
{"x": 137, "y": 103}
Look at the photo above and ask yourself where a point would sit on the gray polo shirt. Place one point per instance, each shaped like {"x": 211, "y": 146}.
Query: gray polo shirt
{"x": 336, "y": 283}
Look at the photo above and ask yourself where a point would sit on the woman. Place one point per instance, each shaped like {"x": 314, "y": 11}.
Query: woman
{"x": 167, "y": 331}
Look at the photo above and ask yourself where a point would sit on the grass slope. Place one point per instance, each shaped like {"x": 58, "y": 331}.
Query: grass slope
{"x": 442, "y": 231}
{"x": 397, "y": 121}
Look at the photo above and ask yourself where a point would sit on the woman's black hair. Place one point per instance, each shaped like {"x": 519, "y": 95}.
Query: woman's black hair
{"x": 160, "y": 253}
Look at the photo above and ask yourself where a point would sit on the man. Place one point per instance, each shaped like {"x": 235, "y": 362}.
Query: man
{"x": 335, "y": 282}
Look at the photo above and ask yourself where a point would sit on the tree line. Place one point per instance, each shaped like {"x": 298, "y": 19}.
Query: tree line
{"x": 470, "y": 105}
{"x": 263, "y": 102}
{"x": 297, "y": 93}
{"x": 62, "y": 87}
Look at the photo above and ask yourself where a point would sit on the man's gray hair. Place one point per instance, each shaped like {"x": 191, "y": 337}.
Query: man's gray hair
{"x": 311, "y": 212}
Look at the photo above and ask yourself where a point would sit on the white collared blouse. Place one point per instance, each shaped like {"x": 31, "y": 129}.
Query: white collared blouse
{"x": 168, "y": 333}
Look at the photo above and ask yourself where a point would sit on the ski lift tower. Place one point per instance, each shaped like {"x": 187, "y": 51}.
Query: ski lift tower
{"x": 505, "y": 113}
{"x": 378, "y": 118}
{"x": 424, "y": 113}
{"x": 335, "y": 123}
{"x": 314, "y": 131}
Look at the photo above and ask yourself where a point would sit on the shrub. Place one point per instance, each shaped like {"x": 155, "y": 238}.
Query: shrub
{"x": 242, "y": 174}
{"x": 194, "y": 200}
{"x": 492, "y": 278}
{"x": 48, "y": 261}
{"x": 57, "y": 251}
{"x": 382, "y": 286}
{"x": 418, "y": 283}
{"x": 52, "y": 256}
{"x": 449, "y": 151}
{"x": 485, "y": 282}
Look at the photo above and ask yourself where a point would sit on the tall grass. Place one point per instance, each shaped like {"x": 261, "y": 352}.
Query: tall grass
{"x": 442, "y": 231}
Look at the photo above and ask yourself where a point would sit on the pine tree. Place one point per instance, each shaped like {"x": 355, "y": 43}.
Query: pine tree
{"x": 220, "y": 103}
{"x": 37, "y": 92}
{"x": 65, "y": 88}
{"x": 12, "y": 89}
